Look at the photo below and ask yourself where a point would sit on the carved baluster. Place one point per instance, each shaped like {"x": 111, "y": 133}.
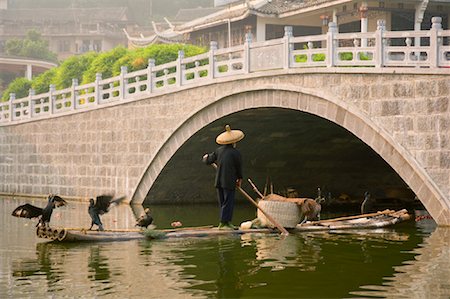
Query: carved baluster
{"x": 12, "y": 97}
{"x": 123, "y": 82}
{"x": 435, "y": 42}
{"x": 212, "y": 60}
{"x": 180, "y": 69}
{"x": 331, "y": 44}
{"x": 150, "y": 77}
{"x": 380, "y": 42}
{"x": 30, "y": 111}
{"x": 98, "y": 88}
{"x": 288, "y": 47}
{"x": 51, "y": 101}
{"x": 248, "y": 41}
{"x": 74, "y": 98}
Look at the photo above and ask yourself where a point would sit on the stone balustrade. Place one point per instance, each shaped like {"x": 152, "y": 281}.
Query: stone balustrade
{"x": 379, "y": 49}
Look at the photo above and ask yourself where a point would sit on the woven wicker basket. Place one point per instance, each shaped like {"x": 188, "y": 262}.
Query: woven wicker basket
{"x": 287, "y": 214}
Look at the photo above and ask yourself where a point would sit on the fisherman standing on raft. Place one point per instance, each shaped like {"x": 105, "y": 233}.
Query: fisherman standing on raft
{"x": 228, "y": 174}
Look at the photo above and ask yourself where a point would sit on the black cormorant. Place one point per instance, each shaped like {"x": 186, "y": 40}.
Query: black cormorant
{"x": 100, "y": 206}
{"x": 145, "y": 220}
{"x": 44, "y": 214}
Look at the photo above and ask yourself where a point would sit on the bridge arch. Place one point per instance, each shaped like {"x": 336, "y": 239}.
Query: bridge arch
{"x": 315, "y": 102}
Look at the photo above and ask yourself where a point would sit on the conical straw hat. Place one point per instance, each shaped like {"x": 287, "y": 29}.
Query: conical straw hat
{"x": 230, "y": 136}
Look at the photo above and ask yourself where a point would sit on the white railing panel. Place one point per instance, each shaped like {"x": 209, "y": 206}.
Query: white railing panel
{"x": 109, "y": 90}
{"x": 85, "y": 96}
{"x": 63, "y": 100}
{"x": 136, "y": 82}
{"x": 407, "y": 56}
{"x": 195, "y": 74}
{"x": 229, "y": 62}
{"x": 21, "y": 109}
{"x": 4, "y": 112}
{"x": 308, "y": 58}
{"x": 355, "y": 56}
{"x": 165, "y": 76}
{"x": 195, "y": 68}
{"x": 444, "y": 50}
{"x": 41, "y": 105}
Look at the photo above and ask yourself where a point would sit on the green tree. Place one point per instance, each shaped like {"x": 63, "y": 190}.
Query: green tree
{"x": 33, "y": 46}
{"x": 73, "y": 68}
{"x": 20, "y": 86}
{"x": 42, "y": 82}
{"x": 103, "y": 63}
{"x": 84, "y": 67}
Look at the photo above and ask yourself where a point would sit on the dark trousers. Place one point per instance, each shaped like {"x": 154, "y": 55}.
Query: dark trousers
{"x": 226, "y": 202}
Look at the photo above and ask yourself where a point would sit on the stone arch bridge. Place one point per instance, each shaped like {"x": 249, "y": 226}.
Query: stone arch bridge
{"x": 402, "y": 114}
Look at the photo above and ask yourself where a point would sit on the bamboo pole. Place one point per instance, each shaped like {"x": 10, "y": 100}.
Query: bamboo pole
{"x": 270, "y": 218}
{"x": 255, "y": 189}
{"x": 385, "y": 212}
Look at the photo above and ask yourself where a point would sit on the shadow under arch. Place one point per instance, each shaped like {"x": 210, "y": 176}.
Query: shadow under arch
{"x": 316, "y": 103}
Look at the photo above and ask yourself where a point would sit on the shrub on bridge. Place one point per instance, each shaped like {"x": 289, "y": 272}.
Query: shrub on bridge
{"x": 138, "y": 59}
{"x": 84, "y": 67}
{"x": 104, "y": 63}
{"x": 41, "y": 83}
{"x": 73, "y": 68}
{"x": 20, "y": 86}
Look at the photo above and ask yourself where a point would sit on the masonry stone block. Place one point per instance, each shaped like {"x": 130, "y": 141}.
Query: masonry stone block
{"x": 403, "y": 90}
{"x": 112, "y": 147}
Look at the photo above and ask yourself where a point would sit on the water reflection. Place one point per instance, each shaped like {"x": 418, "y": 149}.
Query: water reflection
{"x": 427, "y": 276}
{"x": 367, "y": 263}
{"x": 228, "y": 283}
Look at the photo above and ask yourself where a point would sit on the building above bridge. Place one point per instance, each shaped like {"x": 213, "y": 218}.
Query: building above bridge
{"x": 265, "y": 19}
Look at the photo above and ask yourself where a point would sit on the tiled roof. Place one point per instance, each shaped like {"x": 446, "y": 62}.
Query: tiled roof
{"x": 276, "y": 7}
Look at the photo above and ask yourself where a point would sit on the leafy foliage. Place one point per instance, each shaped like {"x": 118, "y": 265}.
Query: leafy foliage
{"x": 20, "y": 86}
{"x": 103, "y": 63}
{"x": 41, "y": 83}
{"x": 73, "y": 68}
{"x": 33, "y": 46}
{"x": 84, "y": 67}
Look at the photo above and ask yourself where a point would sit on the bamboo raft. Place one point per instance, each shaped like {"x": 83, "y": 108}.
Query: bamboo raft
{"x": 83, "y": 235}
{"x": 365, "y": 221}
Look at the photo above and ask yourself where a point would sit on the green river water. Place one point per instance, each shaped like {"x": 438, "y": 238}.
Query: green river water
{"x": 411, "y": 260}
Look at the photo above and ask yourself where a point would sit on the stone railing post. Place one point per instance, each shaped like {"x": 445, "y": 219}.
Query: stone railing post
{"x": 435, "y": 41}
{"x": 51, "y": 102}
{"x": 212, "y": 59}
{"x": 180, "y": 69}
{"x": 248, "y": 41}
{"x": 331, "y": 44}
{"x": 74, "y": 93}
{"x": 151, "y": 65}
{"x": 98, "y": 88}
{"x": 287, "y": 46}
{"x": 123, "y": 82}
{"x": 12, "y": 97}
{"x": 31, "y": 93}
{"x": 379, "y": 43}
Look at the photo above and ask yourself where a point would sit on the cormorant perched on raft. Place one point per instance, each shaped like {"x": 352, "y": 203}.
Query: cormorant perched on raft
{"x": 100, "y": 206}
{"x": 44, "y": 214}
{"x": 145, "y": 220}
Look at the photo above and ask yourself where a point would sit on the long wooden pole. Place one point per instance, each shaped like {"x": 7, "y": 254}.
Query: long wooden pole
{"x": 270, "y": 218}
{"x": 385, "y": 212}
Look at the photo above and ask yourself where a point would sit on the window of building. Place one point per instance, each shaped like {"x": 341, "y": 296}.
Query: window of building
{"x": 63, "y": 46}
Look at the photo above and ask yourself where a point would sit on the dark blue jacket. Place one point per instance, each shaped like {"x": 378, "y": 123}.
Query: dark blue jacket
{"x": 229, "y": 166}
